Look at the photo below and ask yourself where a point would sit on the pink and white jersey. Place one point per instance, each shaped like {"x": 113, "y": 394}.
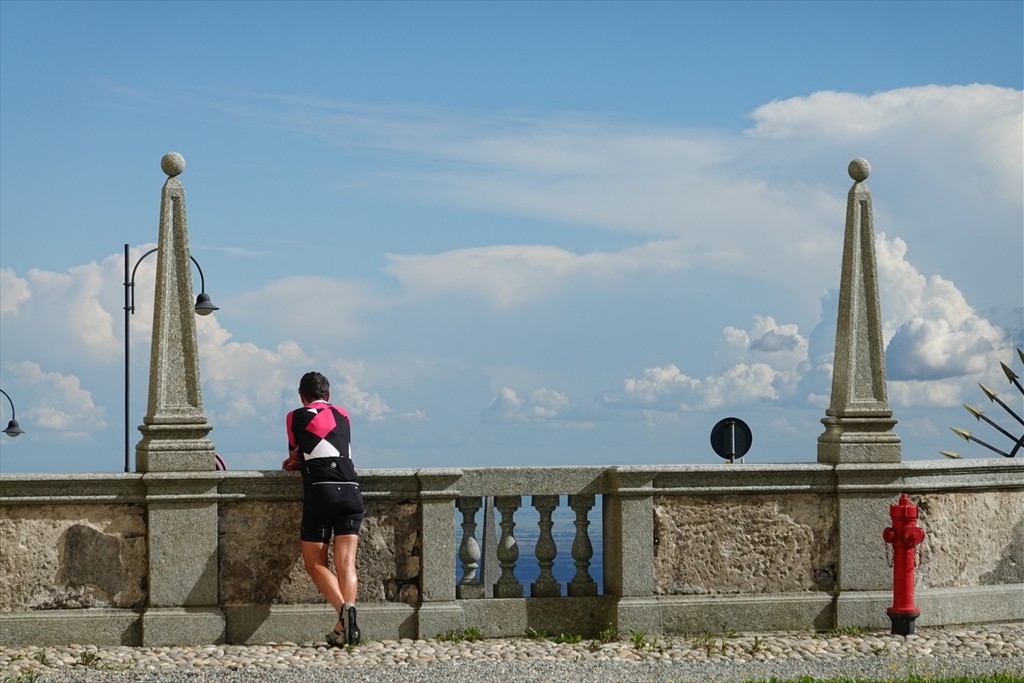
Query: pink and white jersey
{"x": 322, "y": 435}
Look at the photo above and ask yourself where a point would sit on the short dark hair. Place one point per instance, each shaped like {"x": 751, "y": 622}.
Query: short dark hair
{"x": 314, "y": 387}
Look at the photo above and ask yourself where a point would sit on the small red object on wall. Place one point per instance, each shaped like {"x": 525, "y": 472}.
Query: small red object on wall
{"x": 904, "y": 536}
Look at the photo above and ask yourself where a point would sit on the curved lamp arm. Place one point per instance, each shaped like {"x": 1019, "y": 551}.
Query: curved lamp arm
{"x": 203, "y": 304}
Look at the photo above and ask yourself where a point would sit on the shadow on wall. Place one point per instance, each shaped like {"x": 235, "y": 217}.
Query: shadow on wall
{"x": 1010, "y": 568}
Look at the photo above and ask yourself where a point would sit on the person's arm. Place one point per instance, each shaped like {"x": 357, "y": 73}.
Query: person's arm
{"x": 292, "y": 462}
{"x": 294, "y": 459}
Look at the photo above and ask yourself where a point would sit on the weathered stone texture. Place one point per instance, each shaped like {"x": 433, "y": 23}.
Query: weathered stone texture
{"x": 972, "y": 539}
{"x": 260, "y": 562}
{"x": 757, "y": 544}
{"x": 72, "y": 556}
{"x": 259, "y": 554}
{"x": 388, "y": 559}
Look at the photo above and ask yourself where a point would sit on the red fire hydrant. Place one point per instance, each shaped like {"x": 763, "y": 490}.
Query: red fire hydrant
{"x": 905, "y": 536}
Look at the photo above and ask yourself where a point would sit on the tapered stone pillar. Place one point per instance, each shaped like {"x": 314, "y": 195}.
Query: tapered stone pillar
{"x": 175, "y": 453}
{"x": 174, "y": 431}
{"x": 859, "y": 423}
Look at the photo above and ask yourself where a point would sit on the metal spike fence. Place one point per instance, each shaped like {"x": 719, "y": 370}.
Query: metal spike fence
{"x": 1016, "y": 441}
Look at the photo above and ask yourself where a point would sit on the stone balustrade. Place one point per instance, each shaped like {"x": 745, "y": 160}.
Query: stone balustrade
{"x": 121, "y": 558}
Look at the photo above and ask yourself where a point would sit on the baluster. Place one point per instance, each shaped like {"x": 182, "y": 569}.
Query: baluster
{"x": 471, "y": 586}
{"x": 582, "y": 549}
{"x": 507, "y": 585}
{"x": 545, "y": 586}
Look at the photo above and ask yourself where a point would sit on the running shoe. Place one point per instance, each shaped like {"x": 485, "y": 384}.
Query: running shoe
{"x": 348, "y": 620}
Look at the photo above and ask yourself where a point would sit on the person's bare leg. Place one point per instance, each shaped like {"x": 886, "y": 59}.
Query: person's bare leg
{"x": 345, "y": 565}
{"x": 314, "y": 556}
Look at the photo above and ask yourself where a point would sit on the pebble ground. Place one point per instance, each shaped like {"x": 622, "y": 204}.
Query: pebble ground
{"x": 711, "y": 658}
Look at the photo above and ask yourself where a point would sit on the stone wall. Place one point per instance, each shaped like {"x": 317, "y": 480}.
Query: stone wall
{"x": 260, "y": 561}
{"x": 972, "y": 539}
{"x": 750, "y": 544}
{"x": 72, "y": 556}
{"x": 683, "y": 549}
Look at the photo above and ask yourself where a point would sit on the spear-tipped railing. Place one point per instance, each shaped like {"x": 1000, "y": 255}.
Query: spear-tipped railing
{"x": 1017, "y": 441}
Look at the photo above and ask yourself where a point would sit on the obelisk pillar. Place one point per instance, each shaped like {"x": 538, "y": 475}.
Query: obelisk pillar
{"x": 175, "y": 455}
{"x": 174, "y": 431}
{"x": 859, "y": 423}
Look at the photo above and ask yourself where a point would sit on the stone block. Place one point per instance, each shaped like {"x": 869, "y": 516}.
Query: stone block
{"x": 971, "y": 539}
{"x": 438, "y": 618}
{"x": 768, "y": 612}
{"x": 59, "y": 627}
{"x": 862, "y": 559}
{"x": 749, "y": 544}
{"x": 637, "y": 615}
{"x": 256, "y": 624}
{"x": 68, "y": 556}
{"x": 182, "y": 626}
{"x": 260, "y": 559}
{"x": 182, "y": 554}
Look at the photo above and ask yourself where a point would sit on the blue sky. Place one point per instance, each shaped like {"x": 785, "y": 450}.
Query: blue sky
{"x": 510, "y": 233}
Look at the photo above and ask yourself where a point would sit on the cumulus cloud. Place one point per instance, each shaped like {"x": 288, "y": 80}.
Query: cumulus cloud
{"x": 245, "y": 385}
{"x": 70, "y": 306}
{"x": 542, "y": 405}
{"x": 56, "y": 402}
{"x": 662, "y": 388}
{"x": 766, "y": 206}
{"x": 14, "y": 291}
{"x": 938, "y": 349}
{"x": 938, "y": 345}
{"x": 345, "y": 390}
{"x": 762, "y": 364}
{"x": 981, "y": 128}
{"x": 254, "y": 384}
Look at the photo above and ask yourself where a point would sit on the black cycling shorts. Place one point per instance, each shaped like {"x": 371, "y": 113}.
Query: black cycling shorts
{"x": 331, "y": 509}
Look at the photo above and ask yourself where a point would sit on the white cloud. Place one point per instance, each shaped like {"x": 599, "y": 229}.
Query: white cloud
{"x": 763, "y": 364}
{"x": 541, "y": 406}
{"x": 740, "y": 385}
{"x": 664, "y": 388}
{"x": 675, "y": 204}
{"x": 56, "y": 402}
{"x": 977, "y": 123}
{"x": 938, "y": 349}
{"x": 67, "y": 306}
{"x": 14, "y": 291}
{"x": 254, "y": 384}
{"x": 938, "y": 346}
{"x": 308, "y": 307}
{"x": 509, "y": 276}
{"x": 247, "y": 382}
{"x": 346, "y": 391}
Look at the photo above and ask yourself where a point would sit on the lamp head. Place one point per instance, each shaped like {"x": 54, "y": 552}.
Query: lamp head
{"x": 14, "y": 429}
{"x": 203, "y": 304}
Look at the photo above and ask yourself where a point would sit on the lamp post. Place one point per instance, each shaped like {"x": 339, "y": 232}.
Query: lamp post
{"x": 13, "y": 428}
{"x": 203, "y": 307}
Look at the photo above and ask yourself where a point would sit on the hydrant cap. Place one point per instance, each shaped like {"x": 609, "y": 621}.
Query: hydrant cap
{"x": 904, "y": 509}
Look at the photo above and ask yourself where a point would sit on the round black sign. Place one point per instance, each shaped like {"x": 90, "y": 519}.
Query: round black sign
{"x": 731, "y": 438}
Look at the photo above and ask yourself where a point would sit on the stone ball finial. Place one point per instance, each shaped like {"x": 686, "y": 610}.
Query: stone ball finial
{"x": 172, "y": 164}
{"x": 859, "y": 169}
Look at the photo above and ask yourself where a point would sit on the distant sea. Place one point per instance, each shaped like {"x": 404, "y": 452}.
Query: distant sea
{"x": 527, "y": 532}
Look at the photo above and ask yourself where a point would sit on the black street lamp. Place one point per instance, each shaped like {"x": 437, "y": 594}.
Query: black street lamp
{"x": 13, "y": 428}
{"x": 203, "y": 307}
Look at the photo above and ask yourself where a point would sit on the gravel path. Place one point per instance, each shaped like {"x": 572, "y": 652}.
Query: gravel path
{"x": 994, "y": 648}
